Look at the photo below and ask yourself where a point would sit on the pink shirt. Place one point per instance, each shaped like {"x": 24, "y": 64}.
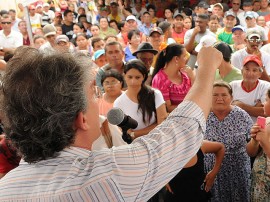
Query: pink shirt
{"x": 171, "y": 91}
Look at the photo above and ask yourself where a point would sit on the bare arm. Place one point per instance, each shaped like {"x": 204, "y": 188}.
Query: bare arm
{"x": 219, "y": 150}
{"x": 190, "y": 45}
{"x": 201, "y": 90}
{"x": 256, "y": 110}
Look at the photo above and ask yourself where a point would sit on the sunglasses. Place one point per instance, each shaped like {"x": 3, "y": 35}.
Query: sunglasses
{"x": 7, "y": 23}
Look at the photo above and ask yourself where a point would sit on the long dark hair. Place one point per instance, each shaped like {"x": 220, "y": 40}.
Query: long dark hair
{"x": 167, "y": 55}
{"x": 146, "y": 96}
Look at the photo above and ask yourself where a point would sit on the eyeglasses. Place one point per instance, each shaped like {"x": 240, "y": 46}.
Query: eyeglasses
{"x": 7, "y": 23}
{"x": 236, "y": 3}
{"x": 254, "y": 40}
{"x": 113, "y": 83}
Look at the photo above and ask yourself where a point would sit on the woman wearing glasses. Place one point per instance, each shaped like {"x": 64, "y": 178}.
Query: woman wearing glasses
{"x": 139, "y": 101}
{"x": 112, "y": 83}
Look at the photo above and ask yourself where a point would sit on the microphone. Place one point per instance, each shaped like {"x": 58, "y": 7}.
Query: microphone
{"x": 117, "y": 117}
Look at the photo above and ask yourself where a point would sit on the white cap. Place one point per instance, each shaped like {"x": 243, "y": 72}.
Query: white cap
{"x": 131, "y": 17}
{"x": 206, "y": 41}
{"x": 46, "y": 4}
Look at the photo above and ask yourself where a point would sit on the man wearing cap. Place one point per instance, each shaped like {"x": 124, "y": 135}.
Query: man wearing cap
{"x": 238, "y": 36}
{"x": 146, "y": 54}
{"x": 254, "y": 42}
{"x": 250, "y": 93}
{"x": 147, "y": 23}
{"x": 226, "y": 71}
{"x": 236, "y": 7}
{"x": 217, "y": 10}
{"x": 57, "y": 21}
{"x": 225, "y": 34}
{"x": 247, "y": 6}
{"x": 193, "y": 36}
{"x": 178, "y": 32}
{"x": 202, "y": 8}
{"x": 50, "y": 34}
{"x": 250, "y": 18}
{"x": 35, "y": 18}
{"x": 9, "y": 39}
{"x": 156, "y": 38}
{"x": 62, "y": 43}
{"x": 47, "y": 15}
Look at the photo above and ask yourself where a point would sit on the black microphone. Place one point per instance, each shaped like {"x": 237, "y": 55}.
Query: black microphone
{"x": 117, "y": 117}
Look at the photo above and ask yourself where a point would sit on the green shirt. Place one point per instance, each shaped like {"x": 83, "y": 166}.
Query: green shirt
{"x": 233, "y": 75}
{"x": 224, "y": 36}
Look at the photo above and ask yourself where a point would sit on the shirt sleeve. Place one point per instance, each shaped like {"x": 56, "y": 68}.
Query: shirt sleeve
{"x": 158, "y": 98}
{"x": 153, "y": 160}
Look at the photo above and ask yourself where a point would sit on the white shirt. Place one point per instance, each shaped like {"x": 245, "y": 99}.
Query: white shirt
{"x": 250, "y": 98}
{"x": 131, "y": 108}
{"x": 13, "y": 40}
{"x": 239, "y": 56}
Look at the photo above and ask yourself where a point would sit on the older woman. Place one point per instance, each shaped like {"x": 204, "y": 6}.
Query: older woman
{"x": 112, "y": 83}
{"x": 229, "y": 125}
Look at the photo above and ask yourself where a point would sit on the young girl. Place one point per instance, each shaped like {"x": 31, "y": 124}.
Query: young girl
{"x": 82, "y": 44}
{"x": 139, "y": 101}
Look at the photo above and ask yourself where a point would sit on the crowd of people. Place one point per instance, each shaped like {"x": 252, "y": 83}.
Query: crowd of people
{"x": 145, "y": 58}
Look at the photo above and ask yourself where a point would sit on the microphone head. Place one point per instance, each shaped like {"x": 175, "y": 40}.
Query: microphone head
{"x": 115, "y": 116}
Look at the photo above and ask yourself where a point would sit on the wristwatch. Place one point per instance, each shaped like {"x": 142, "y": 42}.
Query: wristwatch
{"x": 132, "y": 134}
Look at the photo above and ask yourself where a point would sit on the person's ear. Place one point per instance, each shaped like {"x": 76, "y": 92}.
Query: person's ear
{"x": 81, "y": 122}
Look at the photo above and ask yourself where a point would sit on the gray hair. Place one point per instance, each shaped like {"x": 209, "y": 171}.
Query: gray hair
{"x": 41, "y": 97}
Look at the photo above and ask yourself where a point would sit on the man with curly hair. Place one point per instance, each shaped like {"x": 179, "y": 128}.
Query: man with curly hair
{"x": 50, "y": 113}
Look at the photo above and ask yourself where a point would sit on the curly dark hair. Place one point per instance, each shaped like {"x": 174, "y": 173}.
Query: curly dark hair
{"x": 41, "y": 96}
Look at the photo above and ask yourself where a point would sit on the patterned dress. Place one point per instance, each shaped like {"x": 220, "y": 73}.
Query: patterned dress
{"x": 232, "y": 183}
{"x": 260, "y": 184}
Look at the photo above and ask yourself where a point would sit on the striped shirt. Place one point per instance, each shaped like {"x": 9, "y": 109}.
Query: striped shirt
{"x": 132, "y": 172}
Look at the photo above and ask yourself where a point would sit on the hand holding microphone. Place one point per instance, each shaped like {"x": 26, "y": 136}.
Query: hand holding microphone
{"x": 117, "y": 117}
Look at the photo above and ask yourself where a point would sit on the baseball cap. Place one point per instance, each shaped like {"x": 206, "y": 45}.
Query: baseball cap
{"x": 58, "y": 14}
{"x": 206, "y": 41}
{"x": 39, "y": 6}
{"x": 203, "y": 4}
{"x": 46, "y": 4}
{"x": 238, "y": 27}
{"x": 249, "y": 14}
{"x": 178, "y": 14}
{"x": 218, "y": 4}
{"x": 131, "y": 17}
{"x": 251, "y": 32}
{"x": 156, "y": 29}
{"x": 61, "y": 38}
{"x": 225, "y": 49}
{"x": 229, "y": 13}
{"x": 253, "y": 58}
{"x": 31, "y": 7}
{"x": 98, "y": 53}
{"x": 49, "y": 30}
